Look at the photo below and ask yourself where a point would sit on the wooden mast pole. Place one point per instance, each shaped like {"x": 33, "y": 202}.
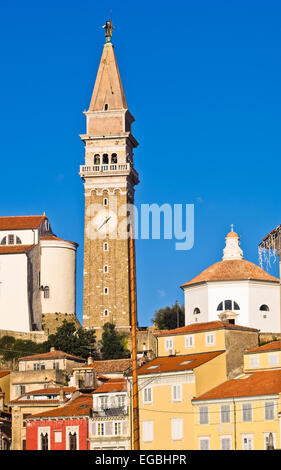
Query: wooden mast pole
{"x": 136, "y": 437}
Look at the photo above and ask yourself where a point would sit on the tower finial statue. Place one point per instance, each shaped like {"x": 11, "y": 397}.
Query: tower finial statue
{"x": 108, "y": 30}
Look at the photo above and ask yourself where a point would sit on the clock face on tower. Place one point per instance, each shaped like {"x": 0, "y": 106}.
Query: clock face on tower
{"x": 104, "y": 222}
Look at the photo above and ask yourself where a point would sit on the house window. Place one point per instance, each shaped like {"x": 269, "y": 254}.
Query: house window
{"x": 58, "y": 436}
{"x": 254, "y": 361}
{"x": 46, "y": 292}
{"x": 247, "y": 412}
{"x": 247, "y": 442}
{"x": 210, "y": 339}
{"x": 269, "y": 410}
{"x": 177, "y": 429}
{"x": 121, "y": 401}
{"x": 147, "y": 395}
{"x": 189, "y": 341}
{"x": 204, "y": 443}
{"x": 18, "y": 241}
{"x": 225, "y": 442}
{"x": 44, "y": 441}
{"x": 264, "y": 308}
{"x": 225, "y": 413}
{"x": 101, "y": 429}
{"x": 117, "y": 428}
{"x": 273, "y": 359}
{"x": 147, "y": 431}
{"x": 105, "y": 247}
{"x": 176, "y": 392}
{"x": 11, "y": 239}
{"x": 169, "y": 344}
{"x": 103, "y": 400}
{"x": 203, "y": 415}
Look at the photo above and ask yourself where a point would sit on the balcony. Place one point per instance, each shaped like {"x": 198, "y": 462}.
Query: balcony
{"x": 108, "y": 170}
{"x": 112, "y": 411}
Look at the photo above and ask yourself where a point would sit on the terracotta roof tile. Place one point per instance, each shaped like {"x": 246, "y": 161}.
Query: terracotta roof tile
{"x": 110, "y": 366}
{"x": 177, "y": 363}
{"x": 51, "y": 355}
{"x": 80, "y": 406}
{"x": 239, "y": 269}
{"x": 204, "y": 326}
{"x": 15, "y": 249}
{"x": 53, "y": 237}
{"x": 112, "y": 385}
{"x": 272, "y": 346}
{"x": 21, "y": 222}
{"x": 259, "y": 383}
{"x": 3, "y": 373}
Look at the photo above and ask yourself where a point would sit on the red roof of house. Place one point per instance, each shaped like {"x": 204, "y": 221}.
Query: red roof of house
{"x": 272, "y": 346}
{"x": 112, "y": 385}
{"x": 259, "y": 383}
{"x": 21, "y": 222}
{"x": 15, "y": 249}
{"x": 177, "y": 363}
{"x": 80, "y": 406}
{"x": 110, "y": 366}
{"x": 231, "y": 270}
{"x": 4, "y": 372}
{"x": 204, "y": 326}
{"x": 51, "y": 355}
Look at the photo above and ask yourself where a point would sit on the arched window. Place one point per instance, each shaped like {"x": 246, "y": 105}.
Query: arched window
{"x": 106, "y": 106}
{"x": 72, "y": 441}
{"x": 105, "y": 201}
{"x": 196, "y": 311}
{"x": 105, "y": 159}
{"x": 96, "y": 159}
{"x": 228, "y": 305}
{"x": 44, "y": 441}
{"x": 4, "y": 241}
{"x": 46, "y": 292}
{"x": 264, "y": 308}
{"x": 114, "y": 158}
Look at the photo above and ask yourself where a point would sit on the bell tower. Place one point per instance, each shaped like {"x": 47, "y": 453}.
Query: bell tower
{"x": 109, "y": 179}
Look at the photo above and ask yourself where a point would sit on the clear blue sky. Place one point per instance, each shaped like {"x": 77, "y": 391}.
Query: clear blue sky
{"x": 203, "y": 82}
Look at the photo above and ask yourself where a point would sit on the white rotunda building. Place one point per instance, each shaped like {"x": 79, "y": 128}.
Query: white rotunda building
{"x": 234, "y": 290}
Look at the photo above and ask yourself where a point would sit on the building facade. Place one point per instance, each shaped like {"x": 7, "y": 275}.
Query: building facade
{"x": 37, "y": 273}
{"x": 109, "y": 179}
{"x": 234, "y": 289}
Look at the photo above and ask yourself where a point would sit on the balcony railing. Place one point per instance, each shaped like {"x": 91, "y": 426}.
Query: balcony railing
{"x": 104, "y": 168}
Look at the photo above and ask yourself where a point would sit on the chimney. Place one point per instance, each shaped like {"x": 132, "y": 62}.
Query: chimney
{"x": 52, "y": 348}
{"x": 2, "y": 405}
{"x": 90, "y": 360}
{"x": 61, "y": 396}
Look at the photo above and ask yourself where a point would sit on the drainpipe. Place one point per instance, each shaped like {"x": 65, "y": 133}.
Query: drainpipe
{"x": 234, "y": 415}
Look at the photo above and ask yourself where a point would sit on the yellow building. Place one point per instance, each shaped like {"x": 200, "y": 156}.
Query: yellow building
{"x": 240, "y": 414}
{"x": 166, "y": 388}
{"x": 264, "y": 357}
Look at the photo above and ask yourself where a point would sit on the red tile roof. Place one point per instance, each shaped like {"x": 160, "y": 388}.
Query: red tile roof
{"x": 4, "y": 372}
{"x": 110, "y": 366}
{"x": 80, "y": 406}
{"x": 272, "y": 346}
{"x": 15, "y": 249}
{"x": 112, "y": 385}
{"x": 204, "y": 326}
{"x": 21, "y": 222}
{"x": 51, "y": 355}
{"x": 239, "y": 269}
{"x": 259, "y": 383}
{"x": 177, "y": 363}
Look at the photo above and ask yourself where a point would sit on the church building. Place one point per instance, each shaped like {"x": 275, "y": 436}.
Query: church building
{"x": 37, "y": 273}
{"x": 109, "y": 178}
{"x": 234, "y": 290}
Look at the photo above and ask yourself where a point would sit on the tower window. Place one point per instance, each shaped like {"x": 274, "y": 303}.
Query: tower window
{"x": 105, "y": 269}
{"x": 105, "y": 159}
{"x": 105, "y": 290}
{"x": 228, "y": 305}
{"x": 105, "y": 246}
{"x": 4, "y": 241}
{"x": 196, "y": 311}
{"x": 106, "y": 107}
{"x": 264, "y": 308}
{"x": 114, "y": 158}
{"x": 46, "y": 292}
{"x": 105, "y": 312}
{"x": 96, "y": 159}
{"x": 105, "y": 201}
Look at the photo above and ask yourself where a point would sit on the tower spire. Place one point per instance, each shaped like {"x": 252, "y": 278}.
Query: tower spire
{"x": 232, "y": 248}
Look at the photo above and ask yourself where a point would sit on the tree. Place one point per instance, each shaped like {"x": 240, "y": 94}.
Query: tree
{"x": 169, "y": 318}
{"x": 74, "y": 340}
{"x": 113, "y": 343}
{"x": 12, "y": 348}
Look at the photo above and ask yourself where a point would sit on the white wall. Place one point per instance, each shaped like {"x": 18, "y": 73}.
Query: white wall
{"x": 14, "y": 306}
{"x": 28, "y": 237}
{"x": 237, "y": 291}
{"x": 196, "y": 296}
{"x": 58, "y": 271}
{"x": 268, "y": 294}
